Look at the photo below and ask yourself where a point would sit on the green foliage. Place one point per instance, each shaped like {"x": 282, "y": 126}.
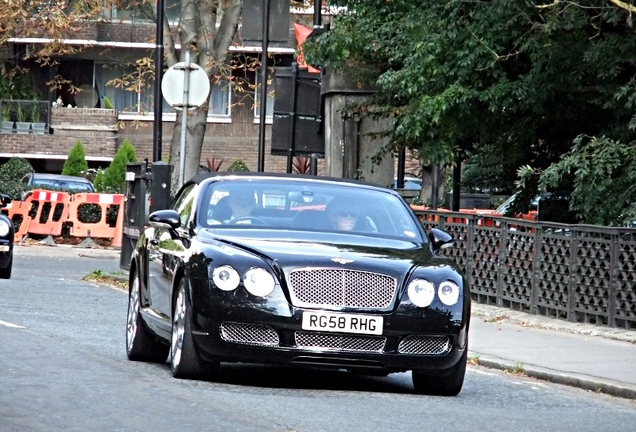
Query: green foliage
{"x": 11, "y": 172}
{"x": 113, "y": 179}
{"x": 99, "y": 180}
{"x": 76, "y": 164}
{"x": 238, "y": 165}
{"x": 511, "y": 80}
{"x": 596, "y": 169}
{"x": 108, "y": 104}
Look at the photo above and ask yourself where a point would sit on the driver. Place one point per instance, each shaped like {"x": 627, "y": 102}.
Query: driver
{"x": 241, "y": 203}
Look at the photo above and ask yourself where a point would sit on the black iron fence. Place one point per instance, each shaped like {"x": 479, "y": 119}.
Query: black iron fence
{"x": 578, "y": 273}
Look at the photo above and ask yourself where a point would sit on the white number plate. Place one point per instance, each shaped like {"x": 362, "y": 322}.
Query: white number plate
{"x": 342, "y": 323}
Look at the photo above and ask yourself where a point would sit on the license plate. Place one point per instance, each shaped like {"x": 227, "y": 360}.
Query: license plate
{"x": 342, "y": 323}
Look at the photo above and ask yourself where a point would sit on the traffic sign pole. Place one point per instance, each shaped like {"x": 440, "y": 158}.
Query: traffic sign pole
{"x": 184, "y": 116}
{"x": 185, "y": 86}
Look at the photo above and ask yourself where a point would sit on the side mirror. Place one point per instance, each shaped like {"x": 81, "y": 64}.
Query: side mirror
{"x": 440, "y": 239}
{"x": 167, "y": 219}
{"x": 5, "y": 200}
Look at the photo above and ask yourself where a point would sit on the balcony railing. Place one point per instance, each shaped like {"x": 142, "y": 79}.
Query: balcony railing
{"x": 25, "y": 116}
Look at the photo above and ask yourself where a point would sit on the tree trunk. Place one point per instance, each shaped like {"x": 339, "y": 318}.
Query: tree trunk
{"x": 428, "y": 194}
{"x": 209, "y": 48}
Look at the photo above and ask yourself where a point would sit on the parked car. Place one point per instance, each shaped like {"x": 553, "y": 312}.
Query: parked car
{"x": 282, "y": 285}
{"x": 410, "y": 182}
{"x": 6, "y": 240}
{"x": 57, "y": 182}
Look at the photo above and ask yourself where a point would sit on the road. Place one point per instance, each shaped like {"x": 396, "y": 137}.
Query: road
{"x": 63, "y": 368}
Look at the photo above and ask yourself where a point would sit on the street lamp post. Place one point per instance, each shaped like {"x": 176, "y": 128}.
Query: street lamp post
{"x": 158, "y": 102}
{"x": 263, "y": 93}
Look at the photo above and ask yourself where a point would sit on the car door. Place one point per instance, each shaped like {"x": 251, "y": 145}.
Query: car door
{"x": 165, "y": 252}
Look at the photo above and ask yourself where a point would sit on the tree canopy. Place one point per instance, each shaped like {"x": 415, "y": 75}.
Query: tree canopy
{"x": 518, "y": 81}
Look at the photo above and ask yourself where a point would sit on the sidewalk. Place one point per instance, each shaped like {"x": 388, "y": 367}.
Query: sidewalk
{"x": 580, "y": 355}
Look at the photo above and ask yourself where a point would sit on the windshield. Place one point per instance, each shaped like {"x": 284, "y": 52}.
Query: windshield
{"x": 301, "y": 205}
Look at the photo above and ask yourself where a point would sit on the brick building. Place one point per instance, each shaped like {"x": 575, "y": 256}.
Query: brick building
{"x": 107, "y": 49}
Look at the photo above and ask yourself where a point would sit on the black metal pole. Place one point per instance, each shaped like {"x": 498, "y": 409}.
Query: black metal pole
{"x": 292, "y": 130}
{"x": 313, "y": 159}
{"x": 400, "y": 167}
{"x": 158, "y": 102}
{"x": 263, "y": 94}
{"x": 317, "y": 15}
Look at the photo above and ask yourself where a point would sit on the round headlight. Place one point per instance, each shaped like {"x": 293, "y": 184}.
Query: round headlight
{"x": 225, "y": 278}
{"x": 259, "y": 282}
{"x": 4, "y": 228}
{"x": 421, "y": 292}
{"x": 448, "y": 293}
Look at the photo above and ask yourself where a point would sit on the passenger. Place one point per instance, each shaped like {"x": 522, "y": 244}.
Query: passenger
{"x": 343, "y": 215}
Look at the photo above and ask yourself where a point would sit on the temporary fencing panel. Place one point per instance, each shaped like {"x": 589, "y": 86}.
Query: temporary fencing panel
{"x": 18, "y": 213}
{"x": 102, "y": 223}
{"x": 50, "y": 211}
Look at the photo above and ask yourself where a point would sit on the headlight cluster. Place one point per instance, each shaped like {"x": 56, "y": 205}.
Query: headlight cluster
{"x": 257, "y": 281}
{"x": 4, "y": 228}
{"x": 422, "y": 292}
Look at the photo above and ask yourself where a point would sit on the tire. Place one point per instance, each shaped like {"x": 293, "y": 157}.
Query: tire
{"x": 447, "y": 382}
{"x": 5, "y": 273}
{"x": 141, "y": 345}
{"x": 185, "y": 360}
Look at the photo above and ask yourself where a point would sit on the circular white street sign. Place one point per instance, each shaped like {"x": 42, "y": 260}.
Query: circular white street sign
{"x": 173, "y": 85}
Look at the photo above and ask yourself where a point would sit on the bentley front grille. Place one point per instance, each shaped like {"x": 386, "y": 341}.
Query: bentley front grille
{"x": 334, "y": 288}
{"x": 424, "y": 345}
{"x": 327, "y": 341}
{"x": 249, "y": 334}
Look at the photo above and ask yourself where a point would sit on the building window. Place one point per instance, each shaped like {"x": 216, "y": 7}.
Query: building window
{"x": 116, "y": 81}
{"x": 269, "y": 107}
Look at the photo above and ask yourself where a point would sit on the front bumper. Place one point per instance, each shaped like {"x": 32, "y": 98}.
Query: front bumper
{"x": 227, "y": 327}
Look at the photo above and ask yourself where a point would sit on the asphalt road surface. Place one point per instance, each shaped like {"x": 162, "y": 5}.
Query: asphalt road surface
{"x": 63, "y": 367}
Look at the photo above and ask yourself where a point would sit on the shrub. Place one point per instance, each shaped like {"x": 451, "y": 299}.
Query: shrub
{"x": 214, "y": 164}
{"x": 11, "y": 172}
{"x": 115, "y": 175}
{"x": 99, "y": 179}
{"x": 238, "y": 165}
{"x": 76, "y": 164}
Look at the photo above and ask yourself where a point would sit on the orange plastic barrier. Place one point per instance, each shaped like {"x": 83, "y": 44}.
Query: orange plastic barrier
{"x": 119, "y": 228}
{"x": 99, "y": 228}
{"x": 51, "y": 211}
{"x": 18, "y": 213}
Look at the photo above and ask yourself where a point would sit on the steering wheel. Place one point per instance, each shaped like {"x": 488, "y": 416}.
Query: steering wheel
{"x": 254, "y": 220}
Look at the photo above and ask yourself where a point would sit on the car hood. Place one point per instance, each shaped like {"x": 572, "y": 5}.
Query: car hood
{"x": 304, "y": 249}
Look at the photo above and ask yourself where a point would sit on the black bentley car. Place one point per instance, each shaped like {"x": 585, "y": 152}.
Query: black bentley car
{"x": 6, "y": 240}
{"x": 297, "y": 270}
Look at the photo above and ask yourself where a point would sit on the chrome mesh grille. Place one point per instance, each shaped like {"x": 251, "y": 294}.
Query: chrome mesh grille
{"x": 325, "y": 287}
{"x": 249, "y": 334}
{"x": 337, "y": 342}
{"x": 426, "y": 345}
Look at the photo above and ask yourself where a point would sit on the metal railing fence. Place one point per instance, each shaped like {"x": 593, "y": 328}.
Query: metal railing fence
{"x": 577, "y": 273}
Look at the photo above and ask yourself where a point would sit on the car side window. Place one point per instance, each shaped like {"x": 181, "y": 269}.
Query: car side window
{"x": 184, "y": 205}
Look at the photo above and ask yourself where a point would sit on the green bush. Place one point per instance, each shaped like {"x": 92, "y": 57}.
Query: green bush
{"x": 11, "y": 172}
{"x": 99, "y": 179}
{"x": 114, "y": 178}
{"x": 76, "y": 164}
{"x": 238, "y": 165}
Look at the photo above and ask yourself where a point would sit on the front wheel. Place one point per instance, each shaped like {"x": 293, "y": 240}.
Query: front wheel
{"x": 447, "y": 382}
{"x": 140, "y": 343}
{"x": 185, "y": 360}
